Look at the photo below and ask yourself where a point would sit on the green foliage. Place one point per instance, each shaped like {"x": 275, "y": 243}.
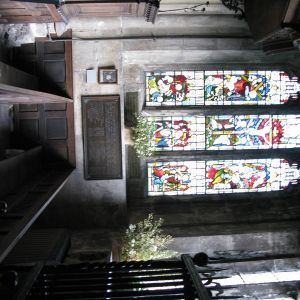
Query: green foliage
{"x": 145, "y": 241}
{"x": 142, "y": 133}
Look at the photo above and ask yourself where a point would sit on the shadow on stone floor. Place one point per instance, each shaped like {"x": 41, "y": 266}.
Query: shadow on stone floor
{"x": 5, "y": 129}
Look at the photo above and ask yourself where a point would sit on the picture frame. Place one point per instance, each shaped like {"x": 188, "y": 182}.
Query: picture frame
{"x": 107, "y": 75}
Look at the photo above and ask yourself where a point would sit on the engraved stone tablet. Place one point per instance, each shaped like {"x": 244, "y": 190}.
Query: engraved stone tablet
{"x": 102, "y": 137}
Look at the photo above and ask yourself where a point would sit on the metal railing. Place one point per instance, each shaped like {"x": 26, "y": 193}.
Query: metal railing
{"x": 169, "y": 279}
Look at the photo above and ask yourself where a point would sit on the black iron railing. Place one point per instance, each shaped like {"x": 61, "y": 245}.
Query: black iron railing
{"x": 170, "y": 279}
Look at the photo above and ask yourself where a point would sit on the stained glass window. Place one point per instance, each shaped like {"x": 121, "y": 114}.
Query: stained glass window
{"x": 220, "y": 176}
{"x": 176, "y": 178}
{"x": 226, "y": 132}
{"x": 175, "y": 88}
{"x": 252, "y": 132}
{"x": 178, "y": 133}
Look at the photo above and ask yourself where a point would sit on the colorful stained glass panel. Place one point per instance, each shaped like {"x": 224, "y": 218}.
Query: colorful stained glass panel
{"x": 179, "y": 133}
{"x": 176, "y": 178}
{"x": 220, "y": 176}
{"x": 249, "y": 87}
{"x": 256, "y": 175}
{"x": 252, "y": 132}
{"x": 174, "y": 88}
{"x": 286, "y": 131}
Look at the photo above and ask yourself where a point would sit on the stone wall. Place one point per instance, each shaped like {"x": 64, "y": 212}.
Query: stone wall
{"x": 174, "y": 42}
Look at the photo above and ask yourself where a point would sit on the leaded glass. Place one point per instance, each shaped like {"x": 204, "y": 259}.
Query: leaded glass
{"x": 178, "y": 133}
{"x": 174, "y": 88}
{"x": 226, "y": 132}
{"x": 220, "y": 176}
{"x": 176, "y": 178}
{"x": 249, "y": 87}
{"x": 251, "y": 175}
{"x": 220, "y": 88}
{"x": 252, "y": 132}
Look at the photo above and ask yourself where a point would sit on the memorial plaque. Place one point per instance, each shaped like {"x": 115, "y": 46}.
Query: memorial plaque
{"x": 102, "y": 137}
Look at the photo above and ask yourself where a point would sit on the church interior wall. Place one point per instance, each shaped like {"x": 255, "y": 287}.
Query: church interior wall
{"x": 255, "y": 243}
{"x": 117, "y": 42}
{"x": 250, "y": 225}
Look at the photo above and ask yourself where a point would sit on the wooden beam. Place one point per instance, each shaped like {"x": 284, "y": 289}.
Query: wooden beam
{"x": 54, "y": 13}
{"x": 15, "y": 95}
{"x": 69, "y": 67}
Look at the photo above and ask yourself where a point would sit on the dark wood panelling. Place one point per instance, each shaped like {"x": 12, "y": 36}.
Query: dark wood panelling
{"x": 40, "y": 245}
{"x": 28, "y": 202}
{"x": 48, "y": 127}
{"x": 93, "y": 9}
{"x": 17, "y": 169}
{"x": 30, "y": 128}
{"x": 48, "y": 124}
{"x": 56, "y": 128}
{"x": 274, "y": 24}
{"x": 47, "y": 61}
{"x": 28, "y": 107}
{"x": 265, "y": 17}
{"x": 55, "y": 106}
{"x": 26, "y": 12}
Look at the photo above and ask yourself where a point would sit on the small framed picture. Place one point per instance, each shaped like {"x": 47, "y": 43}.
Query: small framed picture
{"x": 108, "y": 75}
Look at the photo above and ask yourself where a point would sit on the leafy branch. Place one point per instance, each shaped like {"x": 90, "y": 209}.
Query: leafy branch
{"x": 142, "y": 134}
{"x": 145, "y": 241}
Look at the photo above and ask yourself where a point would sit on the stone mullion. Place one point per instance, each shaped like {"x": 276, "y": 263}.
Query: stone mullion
{"x": 160, "y": 111}
{"x": 288, "y": 153}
